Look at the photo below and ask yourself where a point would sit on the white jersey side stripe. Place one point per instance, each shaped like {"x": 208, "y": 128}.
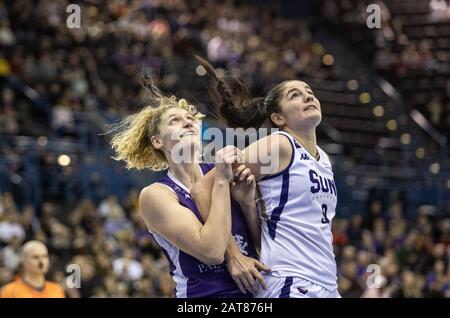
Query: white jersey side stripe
{"x": 276, "y": 214}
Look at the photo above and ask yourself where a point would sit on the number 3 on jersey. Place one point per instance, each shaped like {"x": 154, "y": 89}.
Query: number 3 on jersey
{"x": 325, "y": 219}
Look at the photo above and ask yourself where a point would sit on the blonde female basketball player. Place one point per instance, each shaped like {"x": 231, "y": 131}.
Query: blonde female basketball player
{"x": 194, "y": 244}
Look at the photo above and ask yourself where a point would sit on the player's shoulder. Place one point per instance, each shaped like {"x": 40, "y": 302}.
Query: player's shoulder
{"x": 154, "y": 190}
{"x": 156, "y": 197}
{"x": 280, "y": 136}
{"x": 278, "y": 141}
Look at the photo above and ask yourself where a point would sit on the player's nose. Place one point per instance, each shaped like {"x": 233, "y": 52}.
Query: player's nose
{"x": 308, "y": 98}
{"x": 188, "y": 123}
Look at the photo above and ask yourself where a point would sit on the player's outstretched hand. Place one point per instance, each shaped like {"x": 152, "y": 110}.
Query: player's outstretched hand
{"x": 245, "y": 271}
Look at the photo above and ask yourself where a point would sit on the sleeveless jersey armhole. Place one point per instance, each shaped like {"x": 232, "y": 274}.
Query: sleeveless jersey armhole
{"x": 271, "y": 176}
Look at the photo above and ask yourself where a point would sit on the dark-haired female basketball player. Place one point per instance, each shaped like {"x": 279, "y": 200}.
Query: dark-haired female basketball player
{"x": 297, "y": 198}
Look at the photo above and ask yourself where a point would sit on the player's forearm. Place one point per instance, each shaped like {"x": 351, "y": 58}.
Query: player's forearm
{"x": 215, "y": 234}
{"x": 250, "y": 212}
{"x": 232, "y": 248}
{"x": 201, "y": 193}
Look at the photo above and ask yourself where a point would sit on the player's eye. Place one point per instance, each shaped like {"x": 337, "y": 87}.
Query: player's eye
{"x": 294, "y": 95}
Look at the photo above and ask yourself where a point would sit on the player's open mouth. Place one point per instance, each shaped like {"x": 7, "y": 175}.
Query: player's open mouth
{"x": 187, "y": 133}
{"x": 309, "y": 107}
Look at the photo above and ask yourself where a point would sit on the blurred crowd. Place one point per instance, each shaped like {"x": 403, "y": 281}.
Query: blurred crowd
{"x": 411, "y": 48}
{"x": 110, "y": 243}
{"x": 411, "y": 257}
{"x": 96, "y": 70}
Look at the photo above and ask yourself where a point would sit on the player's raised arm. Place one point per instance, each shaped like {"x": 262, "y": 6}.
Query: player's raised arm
{"x": 244, "y": 270}
{"x": 268, "y": 156}
{"x": 163, "y": 214}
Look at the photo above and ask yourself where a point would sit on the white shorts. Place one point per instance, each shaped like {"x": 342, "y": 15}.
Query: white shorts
{"x": 293, "y": 287}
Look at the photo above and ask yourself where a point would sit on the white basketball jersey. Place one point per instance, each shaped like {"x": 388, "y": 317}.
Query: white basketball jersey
{"x": 296, "y": 207}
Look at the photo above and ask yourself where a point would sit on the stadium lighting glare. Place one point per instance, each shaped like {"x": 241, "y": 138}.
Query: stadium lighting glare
{"x": 42, "y": 141}
{"x": 392, "y": 124}
{"x": 64, "y": 160}
{"x": 328, "y": 59}
{"x": 378, "y": 111}
{"x": 317, "y": 48}
{"x": 200, "y": 70}
{"x": 405, "y": 139}
{"x": 352, "y": 85}
{"x": 92, "y": 11}
{"x": 365, "y": 98}
{"x": 434, "y": 168}
{"x": 420, "y": 153}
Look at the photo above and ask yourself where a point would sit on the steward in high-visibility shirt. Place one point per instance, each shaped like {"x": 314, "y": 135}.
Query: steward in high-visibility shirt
{"x": 32, "y": 282}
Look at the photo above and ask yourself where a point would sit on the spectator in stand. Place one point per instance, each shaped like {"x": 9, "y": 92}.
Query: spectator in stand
{"x": 31, "y": 283}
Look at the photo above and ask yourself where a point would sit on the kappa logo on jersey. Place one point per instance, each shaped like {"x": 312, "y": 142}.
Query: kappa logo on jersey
{"x": 321, "y": 183}
{"x": 304, "y": 157}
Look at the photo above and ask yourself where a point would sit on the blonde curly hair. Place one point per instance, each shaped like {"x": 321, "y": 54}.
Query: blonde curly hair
{"x": 131, "y": 139}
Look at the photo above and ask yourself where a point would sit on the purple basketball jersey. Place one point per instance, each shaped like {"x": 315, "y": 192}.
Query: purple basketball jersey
{"x": 192, "y": 277}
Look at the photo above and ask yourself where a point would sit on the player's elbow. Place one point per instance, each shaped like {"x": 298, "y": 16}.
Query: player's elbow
{"x": 213, "y": 258}
{"x": 214, "y": 254}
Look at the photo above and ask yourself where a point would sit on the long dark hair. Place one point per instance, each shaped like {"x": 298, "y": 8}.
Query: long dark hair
{"x": 233, "y": 102}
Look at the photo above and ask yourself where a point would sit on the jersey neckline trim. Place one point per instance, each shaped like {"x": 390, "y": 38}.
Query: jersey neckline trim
{"x": 178, "y": 182}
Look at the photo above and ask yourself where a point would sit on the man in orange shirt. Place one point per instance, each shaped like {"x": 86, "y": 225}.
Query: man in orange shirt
{"x": 32, "y": 283}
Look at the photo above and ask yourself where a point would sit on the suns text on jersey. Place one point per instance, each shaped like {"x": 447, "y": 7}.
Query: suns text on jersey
{"x": 322, "y": 184}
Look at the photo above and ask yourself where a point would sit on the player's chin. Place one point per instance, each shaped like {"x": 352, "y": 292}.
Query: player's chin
{"x": 313, "y": 118}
